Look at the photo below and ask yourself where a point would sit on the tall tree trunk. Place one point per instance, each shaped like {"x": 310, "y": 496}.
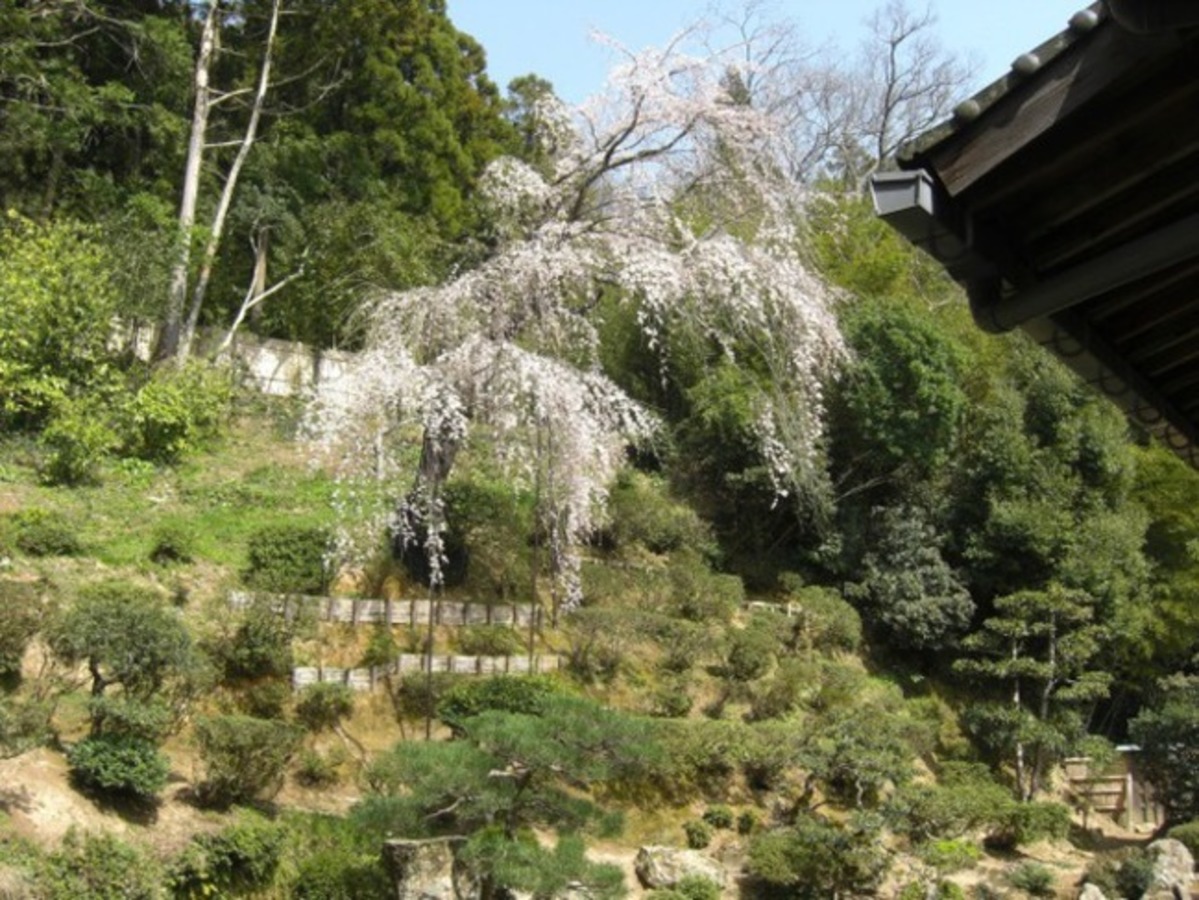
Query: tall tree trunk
{"x": 172, "y": 323}
{"x": 222, "y": 209}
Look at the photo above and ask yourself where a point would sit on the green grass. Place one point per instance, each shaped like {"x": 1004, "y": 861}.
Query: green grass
{"x": 221, "y": 495}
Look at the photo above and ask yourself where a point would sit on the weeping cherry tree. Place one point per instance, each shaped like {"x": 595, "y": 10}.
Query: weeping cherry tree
{"x": 662, "y": 192}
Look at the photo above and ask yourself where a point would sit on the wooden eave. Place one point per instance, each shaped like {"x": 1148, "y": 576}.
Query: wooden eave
{"x": 1071, "y": 189}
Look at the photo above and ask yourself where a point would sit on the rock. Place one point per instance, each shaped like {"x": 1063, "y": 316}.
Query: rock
{"x": 428, "y": 870}
{"x": 1090, "y": 892}
{"x": 664, "y": 867}
{"x": 1173, "y": 868}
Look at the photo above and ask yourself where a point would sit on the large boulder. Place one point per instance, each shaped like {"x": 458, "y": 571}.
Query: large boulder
{"x": 665, "y": 867}
{"x": 1091, "y": 892}
{"x": 428, "y": 870}
{"x": 1173, "y": 868}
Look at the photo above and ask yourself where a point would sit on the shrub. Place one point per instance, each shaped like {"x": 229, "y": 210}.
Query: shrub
{"x": 1032, "y": 878}
{"x": 288, "y": 559}
{"x": 671, "y": 700}
{"x": 266, "y": 699}
{"x": 119, "y": 765}
{"x": 123, "y": 716}
{"x": 240, "y": 859}
{"x": 98, "y": 867}
{"x": 56, "y": 305}
{"x": 748, "y": 822}
{"x": 173, "y": 542}
{"x": 336, "y": 874}
{"x": 321, "y": 706}
{"x": 1188, "y": 833}
{"x": 1024, "y": 823}
{"x": 826, "y": 620}
{"x": 505, "y": 693}
{"x": 490, "y": 640}
{"x": 175, "y": 412}
{"x": 698, "y": 832}
{"x": 260, "y": 647}
{"x": 244, "y": 758}
{"x": 76, "y": 441}
{"x": 718, "y": 816}
{"x": 696, "y": 887}
{"x": 752, "y": 651}
{"x": 1135, "y": 876}
{"x": 314, "y": 769}
{"x": 381, "y": 649}
{"x": 815, "y": 859}
{"x": 40, "y": 532}
{"x": 643, "y": 513}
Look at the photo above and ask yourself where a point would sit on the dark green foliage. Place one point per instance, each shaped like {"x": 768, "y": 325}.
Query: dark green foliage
{"x": 98, "y": 867}
{"x": 907, "y": 591}
{"x": 244, "y": 758}
{"x": 1033, "y": 878}
{"x": 490, "y": 640}
{"x": 336, "y": 861}
{"x": 236, "y": 860}
{"x": 698, "y": 832}
{"x": 719, "y": 816}
{"x": 748, "y": 822}
{"x": 1188, "y": 833}
{"x": 150, "y": 720}
{"x": 120, "y": 765}
{"x": 1168, "y": 733}
{"x": 901, "y": 400}
{"x": 701, "y": 595}
{"x": 288, "y": 559}
{"x": 126, "y": 634}
{"x": 1135, "y": 875}
{"x": 322, "y": 706}
{"x": 509, "y": 693}
{"x": 41, "y": 532}
{"x": 817, "y": 859}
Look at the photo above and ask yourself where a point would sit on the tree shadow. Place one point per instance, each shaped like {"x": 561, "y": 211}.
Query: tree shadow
{"x": 15, "y": 798}
{"x": 1096, "y": 840}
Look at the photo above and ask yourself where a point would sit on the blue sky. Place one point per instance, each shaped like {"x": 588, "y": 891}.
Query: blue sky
{"x": 551, "y": 37}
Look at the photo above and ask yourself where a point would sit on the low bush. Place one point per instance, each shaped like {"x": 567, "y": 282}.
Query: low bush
{"x": 718, "y": 816}
{"x": 173, "y": 542}
{"x": 240, "y": 859}
{"x": 175, "y": 412}
{"x": 698, "y": 832}
{"x": 321, "y": 706}
{"x": 41, "y": 532}
{"x": 76, "y": 441}
{"x": 22, "y": 617}
{"x": 315, "y": 770}
{"x": 288, "y": 559}
{"x": 505, "y": 693}
{"x": 491, "y": 640}
{"x": 98, "y": 867}
{"x": 1025, "y": 823}
{"x": 123, "y": 716}
{"x": 671, "y": 700}
{"x": 1188, "y": 833}
{"x": 119, "y": 765}
{"x": 244, "y": 758}
{"x": 1033, "y": 878}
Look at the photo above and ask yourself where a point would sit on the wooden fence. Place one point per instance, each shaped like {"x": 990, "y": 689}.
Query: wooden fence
{"x": 409, "y": 663}
{"x": 1119, "y": 791}
{"x": 356, "y": 611}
